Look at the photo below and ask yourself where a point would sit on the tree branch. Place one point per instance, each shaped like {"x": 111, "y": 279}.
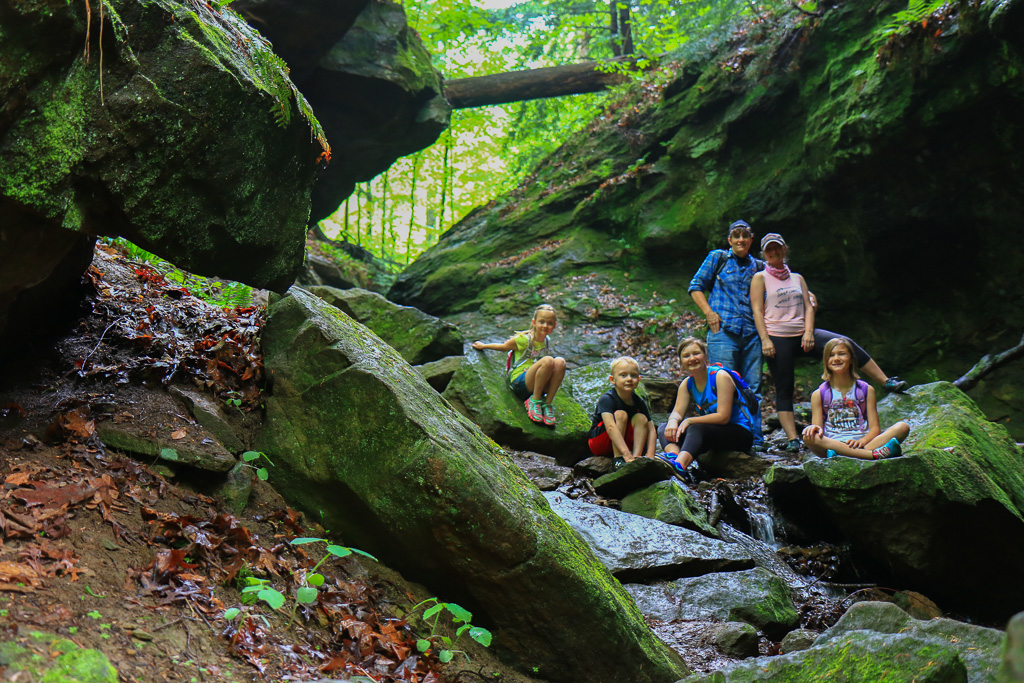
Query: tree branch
{"x": 987, "y": 364}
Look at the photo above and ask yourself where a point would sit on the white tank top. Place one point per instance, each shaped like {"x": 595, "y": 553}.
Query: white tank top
{"x": 783, "y": 305}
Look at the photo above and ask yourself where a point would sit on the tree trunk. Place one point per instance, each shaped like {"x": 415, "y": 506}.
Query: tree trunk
{"x": 530, "y": 84}
{"x": 613, "y": 11}
{"x": 987, "y": 364}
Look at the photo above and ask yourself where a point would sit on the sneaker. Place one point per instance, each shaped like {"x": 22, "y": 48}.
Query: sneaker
{"x": 548, "y": 414}
{"x": 830, "y": 453}
{"x": 793, "y": 446}
{"x": 686, "y": 476}
{"x": 759, "y": 447}
{"x": 618, "y": 462}
{"x": 534, "y": 410}
{"x": 895, "y": 385}
{"x": 891, "y": 449}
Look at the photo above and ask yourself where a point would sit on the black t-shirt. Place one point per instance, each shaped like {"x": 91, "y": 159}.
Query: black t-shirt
{"x": 609, "y": 403}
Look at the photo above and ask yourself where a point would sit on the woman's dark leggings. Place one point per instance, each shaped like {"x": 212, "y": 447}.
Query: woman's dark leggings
{"x": 787, "y": 349}
{"x": 701, "y": 438}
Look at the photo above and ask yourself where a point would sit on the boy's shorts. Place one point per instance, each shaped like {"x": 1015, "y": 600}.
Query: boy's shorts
{"x": 519, "y": 387}
{"x": 602, "y": 443}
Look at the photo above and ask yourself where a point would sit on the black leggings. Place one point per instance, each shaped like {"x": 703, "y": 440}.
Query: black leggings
{"x": 787, "y": 349}
{"x": 701, "y": 438}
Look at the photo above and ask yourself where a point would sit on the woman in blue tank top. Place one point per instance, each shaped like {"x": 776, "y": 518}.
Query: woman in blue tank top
{"x": 721, "y": 422}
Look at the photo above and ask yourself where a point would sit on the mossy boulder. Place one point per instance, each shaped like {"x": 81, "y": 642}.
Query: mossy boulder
{"x": 1012, "y": 668}
{"x": 948, "y": 516}
{"x": 181, "y": 132}
{"x": 367, "y": 75}
{"x": 977, "y": 647}
{"x": 417, "y": 336}
{"x": 755, "y": 596}
{"x": 479, "y": 390}
{"x": 360, "y": 440}
{"x": 667, "y": 501}
{"x": 858, "y": 656}
{"x": 37, "y": 656}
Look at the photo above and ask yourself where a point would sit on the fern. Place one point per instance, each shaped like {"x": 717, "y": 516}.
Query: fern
{"x": 904, "y": 21}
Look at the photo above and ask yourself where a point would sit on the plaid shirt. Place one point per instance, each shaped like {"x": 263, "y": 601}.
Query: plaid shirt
{"x": 730, "y": 293}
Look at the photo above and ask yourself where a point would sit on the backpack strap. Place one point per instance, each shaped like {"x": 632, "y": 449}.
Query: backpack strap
{"x": 825, "y": 391}
{"x": 860, "y": 395}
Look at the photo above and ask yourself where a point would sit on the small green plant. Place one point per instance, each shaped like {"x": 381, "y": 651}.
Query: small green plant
{"x": 88, "y": 590}
{"x": 72, "y": 630}
{"x": 251, "y": 456}
{"x": 461, "y": 617}
{"x": 94, "y": 615}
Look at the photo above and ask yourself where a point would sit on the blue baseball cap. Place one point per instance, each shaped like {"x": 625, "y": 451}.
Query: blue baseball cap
{"x": 740, "y": 224}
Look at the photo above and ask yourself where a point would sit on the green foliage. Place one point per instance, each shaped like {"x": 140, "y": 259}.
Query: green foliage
{"x": 461, "y": 618}
{"x": 903, "y": 21}
{"x": 251, "y": 456}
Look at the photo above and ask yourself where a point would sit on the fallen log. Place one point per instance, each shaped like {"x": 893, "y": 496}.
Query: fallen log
{"x": 531, "y": 84}
{"x": 987, "y": 364}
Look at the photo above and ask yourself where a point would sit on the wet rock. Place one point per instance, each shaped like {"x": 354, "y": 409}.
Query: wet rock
{"x": 797, "y": 639}
{"x": 358, "y": 436}
{"x": 856, "y": 656}
{"x": 978, "y": 647}
{"x": 320, "y": 271}
{"x": 734, "y": 464}
{"x": 542, "y": 470}
{"x": 637, "y": 549}
{"x": 1012, "y": 668}
{"x": 632, "y": 476}
{"x": 594, "y": 466}
{"x": 207, "y": 413}
{"x": 237, "y": 487}
{"x": 418, "y": 337}
{"x": 661, "y": 393}
{"x": 439, "y": 373}
{"x": 669, "y": 502}
{"x": 209, "y": 456}
{"x": 479, "y": 390}
{"x": 756, "y": 597}
{"x": 956, "y": 494}
{"x": 911, "y": 602}
{"x": 736, "y": 639}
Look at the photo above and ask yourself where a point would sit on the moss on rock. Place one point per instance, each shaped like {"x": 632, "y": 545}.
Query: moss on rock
{"x": 358, "y": 436}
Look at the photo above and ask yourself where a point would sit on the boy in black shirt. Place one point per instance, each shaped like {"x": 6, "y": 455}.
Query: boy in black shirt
{"x": 622, "y": 425}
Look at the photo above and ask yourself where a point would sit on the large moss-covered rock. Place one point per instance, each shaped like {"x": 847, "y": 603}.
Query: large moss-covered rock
{"x": 479, "y": 390}
{"x": 667, "y": 501}
{"x": 417, "y": 336}
{"x": 754, "y": 596}
{"x": 39, "y": 656}
{"x": 181, "y": 132}
{"x": 858, "y": 656}
{"x": 839, "y": 132}
{"x": 367, "y": 75}
{"x": 1012, "y": 668}
{"x": 358, "y": 437}
{"x": 948, "y": 517}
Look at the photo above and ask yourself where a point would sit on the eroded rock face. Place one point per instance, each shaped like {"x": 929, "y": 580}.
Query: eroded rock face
{"x": 192, "y": 146}
{"x": 368, "y": 77}
{"x": 803, "y": 127}
{"x": 357, "y": 435}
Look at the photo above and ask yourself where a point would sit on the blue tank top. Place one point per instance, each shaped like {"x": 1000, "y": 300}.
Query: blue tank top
{"x": 706, "y": 402}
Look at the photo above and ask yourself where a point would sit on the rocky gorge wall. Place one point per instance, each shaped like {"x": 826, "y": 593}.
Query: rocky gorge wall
{"x": 889, "y": 164}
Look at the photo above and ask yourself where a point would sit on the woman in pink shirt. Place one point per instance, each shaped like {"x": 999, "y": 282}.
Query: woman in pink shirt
{"x": 784, "y": 316}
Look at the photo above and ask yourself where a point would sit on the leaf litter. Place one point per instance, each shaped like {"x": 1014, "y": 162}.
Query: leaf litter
{"x": 104, "y": 550}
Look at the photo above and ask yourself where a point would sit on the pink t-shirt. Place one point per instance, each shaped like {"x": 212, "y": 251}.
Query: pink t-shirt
{"x": 784, "y": 305}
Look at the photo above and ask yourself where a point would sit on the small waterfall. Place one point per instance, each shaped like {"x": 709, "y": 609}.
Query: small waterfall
{"x": 762, "y": 526}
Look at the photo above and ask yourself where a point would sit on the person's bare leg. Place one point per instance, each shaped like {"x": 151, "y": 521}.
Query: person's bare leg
{"x": 788, "y": 421}
{"x": 537, "y": 377}
{"x": 555, "y": 379}
{"x": 640, "y": 427}
{"x": 874, "y": 372}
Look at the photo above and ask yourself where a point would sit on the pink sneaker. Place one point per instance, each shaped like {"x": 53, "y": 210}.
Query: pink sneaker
{"x": 534, "y": 410}
{"x": 549, "y": 414}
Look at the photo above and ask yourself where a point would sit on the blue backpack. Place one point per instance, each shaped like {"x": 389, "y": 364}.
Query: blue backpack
{"x": 749, "y": 400}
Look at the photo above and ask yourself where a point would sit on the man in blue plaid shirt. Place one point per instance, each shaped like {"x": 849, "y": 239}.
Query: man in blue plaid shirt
{"x": 721, "y": 289}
